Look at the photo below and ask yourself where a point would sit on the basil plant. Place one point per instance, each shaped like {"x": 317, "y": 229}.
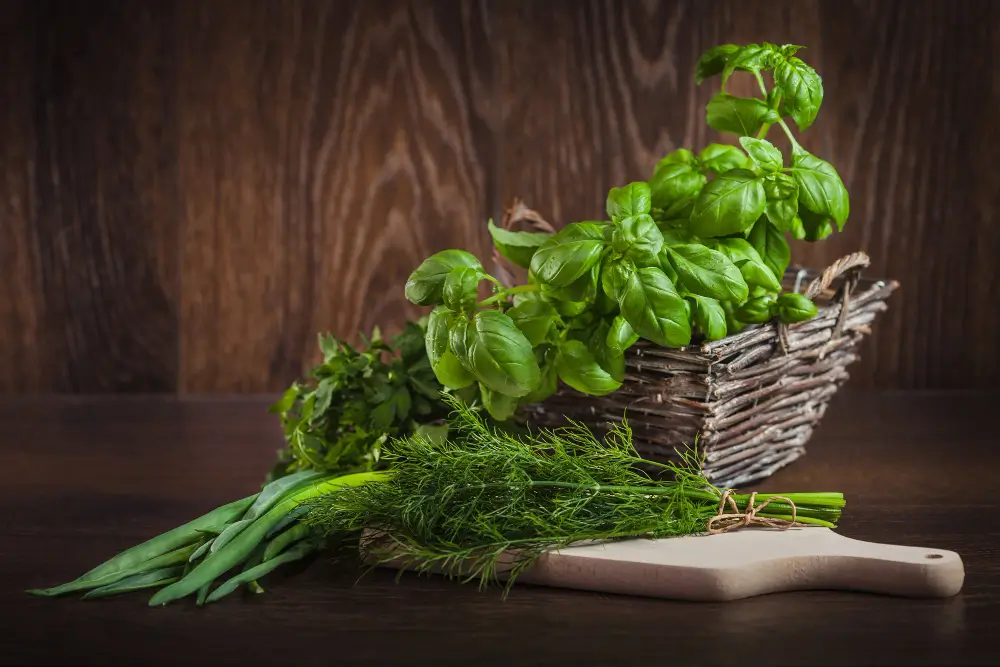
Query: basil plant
{"x": 696, "y": 252}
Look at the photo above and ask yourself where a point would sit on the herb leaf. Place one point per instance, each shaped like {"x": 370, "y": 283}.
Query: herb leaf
{"x": 713, "y": 61}
{"x": 620, "y": 335}
{"x": 615, "y": 276}
{"x": 720, "y": 158}
{"x": 801, "y": 91}
{"x": 579, "y": 369}
{"x": 611, "y": 359}
{"x": 569, "y": 254}
{"x": 709, "y": 317}
{"x": 739, "y": 115}
{"x": 651, "y": 305}
{"x": 707, "y": 272}
{"x": 772, "y": 247}
{"x": 820, "y": 188}
{"x": 638, "y": 238}
{"x": 425, "y": 284}
{"x": 535, "y": 319}
{"x": 518, "y": 247}
{"x": 675, "y": 182}
{"x": 795, "y": 308}
{"x": 763, "y": 153}
{"x": 461, "y": 288}
{"x": 629, "y": 200}
{"x": 500, "y": 406}
{"x": 498, "y": 354}
{"x": 728, "y": 205}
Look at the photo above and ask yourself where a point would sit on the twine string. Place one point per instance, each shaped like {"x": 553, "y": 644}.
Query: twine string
{"x": 725, "y": 521}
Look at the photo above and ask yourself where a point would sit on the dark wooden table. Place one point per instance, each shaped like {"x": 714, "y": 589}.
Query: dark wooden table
{"x": 81, "y": 479}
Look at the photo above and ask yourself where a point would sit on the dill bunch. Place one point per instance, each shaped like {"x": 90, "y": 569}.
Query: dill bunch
{"x": 486, "y": 503}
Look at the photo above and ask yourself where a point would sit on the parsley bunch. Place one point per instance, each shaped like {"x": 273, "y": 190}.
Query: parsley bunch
{"x": 355, "y": 400}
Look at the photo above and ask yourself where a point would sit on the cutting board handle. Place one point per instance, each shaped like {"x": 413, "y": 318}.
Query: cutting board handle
{"x": 887, "y": 568}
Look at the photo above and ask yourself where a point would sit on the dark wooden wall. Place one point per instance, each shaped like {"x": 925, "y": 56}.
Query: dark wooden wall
{"x": 190, "y": 190}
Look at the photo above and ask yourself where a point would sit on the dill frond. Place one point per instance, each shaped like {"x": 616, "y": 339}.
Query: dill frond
{"x": 484, "y": 504}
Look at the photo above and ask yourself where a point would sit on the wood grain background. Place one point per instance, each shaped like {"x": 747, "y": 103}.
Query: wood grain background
{"x": 190, "y": 190}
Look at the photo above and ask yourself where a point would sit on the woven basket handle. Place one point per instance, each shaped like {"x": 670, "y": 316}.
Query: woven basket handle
{"x": 849, "y": 266}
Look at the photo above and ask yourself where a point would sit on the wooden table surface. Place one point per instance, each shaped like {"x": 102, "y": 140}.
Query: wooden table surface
{"x": 83, "y": 478}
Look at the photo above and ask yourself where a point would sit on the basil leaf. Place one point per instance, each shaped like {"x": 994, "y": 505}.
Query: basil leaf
{"x": 620, "y": 335}
{"x": 612, "y": 360}
{"x": 578, "y": 368}
{"x": 815, "y": 227}
{"x": 733, "y": 325}
{"x": 448, "y": 370}
{"x": 583, "y": 289}
{"x": 500, "y": 406}
{"x": 709, "y": 317}
{"x": 720, "y": 158}
{"x": 675, "y": 183}
{"x": 756, "y": 311}
{"x": 739, "y": 115}
{"x": 713, "y": 61}
{"x": 549, "y": 382}
{"x": 569, "y": 254}
{"x": 460, "y": 290}
{"x": 679, "y": 156}
{"x": 757, "y": 274}
{"x": 763, "y": 153}
{"x": 675, "y": 236}
{"x": 629, "y": 200}
{"x": 728, "y": 205}
{"x": 755, "y": 57}
{"x": 797, "y": 229}
{"x": 782, "y": 205}
{"x": 780, "y": 186}
{"x": 497, "y": 353}
{"x": 801, "y": 91}
{"x": 820, "y": 188}
{"x": 736, "y": 249}
{"x": 707, "y": 272}
{"x": 638, "y": 238}
{"x": 425, "y": 284}
{"x": 651, "y": 305}
{"x": 570, "y": 308}
{"x": 535, "y": 319}
{"x": 518, "y": 247}
{"x": 615, "y": 276}
{"x": 772, "y": 247}
{"x": 795, "y": 308}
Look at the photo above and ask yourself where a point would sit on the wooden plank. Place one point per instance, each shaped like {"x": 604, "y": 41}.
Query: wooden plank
{"x": 22, "y": 362}
{"x": 91, "y": 200}
{"x": 326, "y": 149}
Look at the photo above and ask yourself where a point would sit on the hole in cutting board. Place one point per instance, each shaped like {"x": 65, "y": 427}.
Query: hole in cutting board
{"x": 933, "y": 556}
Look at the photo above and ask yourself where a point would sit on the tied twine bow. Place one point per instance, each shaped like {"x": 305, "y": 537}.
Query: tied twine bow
{"x": 723, "y": 522}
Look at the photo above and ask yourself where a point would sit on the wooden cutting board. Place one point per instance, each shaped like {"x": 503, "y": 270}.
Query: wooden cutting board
{"x": 748, "y": 562}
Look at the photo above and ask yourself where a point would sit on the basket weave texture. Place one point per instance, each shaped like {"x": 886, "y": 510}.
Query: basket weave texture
{"x": 751, "y": 399}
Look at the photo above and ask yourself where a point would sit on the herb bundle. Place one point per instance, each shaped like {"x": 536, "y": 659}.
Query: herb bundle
{"x": 698, "y": 251}
{"x": 485, "y": 502}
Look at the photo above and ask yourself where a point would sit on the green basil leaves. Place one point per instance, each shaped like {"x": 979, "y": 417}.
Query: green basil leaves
{"x": 728, "y": 205}
{"x": 424, "y": 285}
{"x": 569, "y": 254}
{"x": 697, "y": 252}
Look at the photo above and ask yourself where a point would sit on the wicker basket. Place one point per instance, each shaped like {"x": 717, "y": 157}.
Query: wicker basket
{"x": 751, "y": 399}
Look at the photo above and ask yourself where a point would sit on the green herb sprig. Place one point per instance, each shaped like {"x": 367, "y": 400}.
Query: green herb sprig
{"x": 355, "y": 400}
{"x": 698, "y": 251}
{"x": 486, "y": 503}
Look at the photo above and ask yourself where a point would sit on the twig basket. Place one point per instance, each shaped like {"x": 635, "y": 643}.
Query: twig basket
{"x": 751, "y": 399}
